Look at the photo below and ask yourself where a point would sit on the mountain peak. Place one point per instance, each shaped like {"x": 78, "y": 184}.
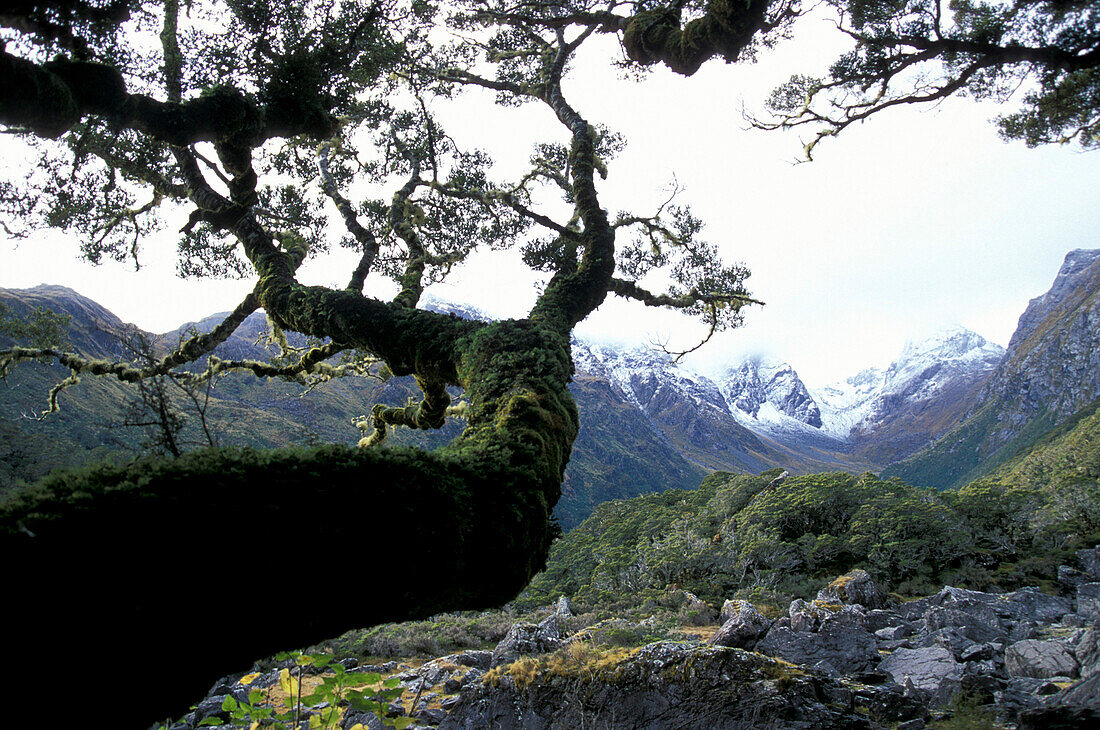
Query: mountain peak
{"x": 1076, "y": 279}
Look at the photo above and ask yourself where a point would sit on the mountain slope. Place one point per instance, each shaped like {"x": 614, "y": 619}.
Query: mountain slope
{"x": 1050, "y": 371}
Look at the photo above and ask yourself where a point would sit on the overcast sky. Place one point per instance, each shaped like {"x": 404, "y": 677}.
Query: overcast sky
{"x": 918, "y": 219}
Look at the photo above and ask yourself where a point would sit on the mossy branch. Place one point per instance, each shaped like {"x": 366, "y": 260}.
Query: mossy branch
{"x": 367, "y": 240}
{"x": 50, "y": 99}
{"x": 429, "y": 413}
{"x": 631, "y": 290}
{"x": 726, "y": 29}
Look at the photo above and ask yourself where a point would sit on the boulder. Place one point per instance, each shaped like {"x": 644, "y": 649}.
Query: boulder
{"x": 976, "y": 621}
{"x": 1074, "y": 707}
{"x": 1089, "y": 560}
{"x": 847, "y": 646}
{"x": 926, "y": 667}
{"x": 812, "y": 615}
{"x": 1088, "y": 602}
{"x": 1086, "y": 650}
{"x": 1069, "y": 578}
{"x": 979, "y": 688}
{"x": 1059, "y": 718}
{"x": 742, "y": 626}
{"x": 696, "y": 611}
{"x": 883, "y": 619}
{"x": 611, "y": 632}
{"x": 951, "y": 639}
{"x": 525, "y": 639}
{"x": 893, "y": 633}
{"x": 477, "y": 658}
{"x": 1034, "y": 605}
{"x": 947, "y": 596}
{"x": 854, "y": 587}
{"x": 1085, "y": 693}
{"x": 662, "y": 685}
{"x": 1039, "y": 659}
{"x": 1020, "y": 695}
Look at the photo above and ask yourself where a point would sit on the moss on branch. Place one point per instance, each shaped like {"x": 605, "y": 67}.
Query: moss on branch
{"x": 50, "y": 99}
{"x": 726, "y": 29}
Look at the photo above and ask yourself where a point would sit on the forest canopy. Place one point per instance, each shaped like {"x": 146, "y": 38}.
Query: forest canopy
{"x": 275, "y": 124}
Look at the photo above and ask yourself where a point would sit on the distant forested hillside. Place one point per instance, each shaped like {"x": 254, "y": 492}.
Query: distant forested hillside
{"x": 737, "y": 536}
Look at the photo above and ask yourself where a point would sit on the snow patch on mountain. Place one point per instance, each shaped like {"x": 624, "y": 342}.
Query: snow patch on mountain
{"x": 768, "y": 397}
{"x": 919, "y": 374}
{"x": 848, "y": 402}
{"x": 756, "y": 382}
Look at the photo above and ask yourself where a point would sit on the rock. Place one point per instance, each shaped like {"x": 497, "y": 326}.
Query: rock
{"x": 1086, "y": 650}
{"x": 610, "y": 632}
{"x": 854, "y": 587}
{"x": 812, "y": 615}
{"x": 742, "y": 626}
{"x": 1089, "y": 560}
{"x": 1085, "y": 693}
{"x": 1077, "y": 706}
{"x": 887, "y": 703}
{"x": 847, "y": 646}
{"x": 477, "y": 658}
{"x": 980, "y": 688}
{"x": 211, "y": 708}
{"x": 695, "y": 685}
{"x": 562, "y": 608}
{"x": 893, "y": 633}
{"x": 893, "y": 645}
{"x": 697, "y": 612}
{"x": 1088, "y": 602}
{"x": 1034, "y": 605}
{"x": 951, "y": 639}
{"x": 1069, "y": 578}
{"x": 976, "y": 621}
{"x": 352, "y": 718}
{"x": 1025, "y": 604}
{"x": 1019, "y": 695}
{"x": 977, "y": 653}
{"x": 947, "y": 596}
{"x": 431, "y": 715}
{"x": 1023, "y": 630}
{"x": 926, "y": 667}
{"x": 525, "y": 639}
{"x": 436, "y": 671}
{"x": 1039, "y": 659}
{"x": 1059, "y": 718}
{"x": 882, "y": 619}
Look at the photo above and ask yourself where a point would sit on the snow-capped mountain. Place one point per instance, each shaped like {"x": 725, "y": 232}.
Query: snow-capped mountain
{"x": 848, "y": 402}
{"x": 932, "y": 385}
{"x": 757, "y": 386}
{"x": 952, "y": 359}
{"x": 878, "y": 415}
{"x": 1050, "y": 372}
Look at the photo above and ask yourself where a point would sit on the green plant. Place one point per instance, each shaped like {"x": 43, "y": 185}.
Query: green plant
{"x": 363, "y": 691}
{"x": 968, "y": 713}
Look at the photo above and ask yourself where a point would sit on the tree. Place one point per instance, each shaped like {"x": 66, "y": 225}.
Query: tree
{"x": 310, "y": 97}
{"x": 300, "y": 102}
{"x": 922, "y": 51}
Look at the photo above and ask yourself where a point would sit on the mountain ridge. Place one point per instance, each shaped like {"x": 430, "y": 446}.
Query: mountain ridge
{"x": 1050, "y": 371}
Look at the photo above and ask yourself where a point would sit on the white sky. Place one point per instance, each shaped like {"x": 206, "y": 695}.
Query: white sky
{"x": 919, "y": 219}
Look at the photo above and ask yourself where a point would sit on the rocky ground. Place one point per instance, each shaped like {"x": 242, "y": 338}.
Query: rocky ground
{"x": 850, "y": 658}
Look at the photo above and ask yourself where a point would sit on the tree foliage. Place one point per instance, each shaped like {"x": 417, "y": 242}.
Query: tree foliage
{"x": 1046, "y": 53}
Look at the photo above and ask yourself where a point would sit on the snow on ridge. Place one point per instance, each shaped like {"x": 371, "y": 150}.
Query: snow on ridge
{"x": 766, "y": 394}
